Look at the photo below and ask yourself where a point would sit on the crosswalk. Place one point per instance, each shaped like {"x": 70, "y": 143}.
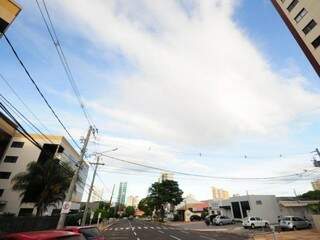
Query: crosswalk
{"x": 139, "y": 228}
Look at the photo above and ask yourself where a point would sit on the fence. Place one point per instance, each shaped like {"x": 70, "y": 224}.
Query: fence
{"x": 21, "y": 224}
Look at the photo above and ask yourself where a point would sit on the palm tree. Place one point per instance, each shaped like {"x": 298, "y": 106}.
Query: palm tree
{"x": 45, "y": 184}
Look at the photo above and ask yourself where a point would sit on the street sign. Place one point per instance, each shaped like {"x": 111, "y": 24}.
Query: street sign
{"x": 66, "y": 207}
{"x": 9, "y": 10}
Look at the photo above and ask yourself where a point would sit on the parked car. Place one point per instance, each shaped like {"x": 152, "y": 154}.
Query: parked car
{"x": 293, "y": 223}
{"x": 130, "y": 217}
{"x": 222, "y": 220}
{"x": 254, "y": 222}
{"x": 43, "y": 235}
{"x": 89, "y": 232}
{"x": 195, "y": 218}
{"x": 209, "y": 219}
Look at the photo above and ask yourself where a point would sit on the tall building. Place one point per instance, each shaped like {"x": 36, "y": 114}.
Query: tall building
{"x": 97, "y": 194}
{"x": 133, "y": 201}
{"x": 219, "y": 194}
{"x": 316, "y": 184}
{"x": 165, "y": 176}
{"x": 15, "y": 154}
{"x": 302, "y": 17}
{"x": 122, "y": 193}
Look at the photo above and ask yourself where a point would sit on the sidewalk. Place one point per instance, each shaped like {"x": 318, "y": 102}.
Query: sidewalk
{"x": 291, "y": 235}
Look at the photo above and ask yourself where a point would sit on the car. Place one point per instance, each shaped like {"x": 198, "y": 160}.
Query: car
{"x": 254, "y": 222}
{"x": 293, "y": 223}
{"x": 89, "y": 232}
{"x": 222, "y": 220}
{"x": 43, "y": 235}
{"x": 195, "y": 218}
{"x": 130, "y": 217}
{"x": 209, "y": 219}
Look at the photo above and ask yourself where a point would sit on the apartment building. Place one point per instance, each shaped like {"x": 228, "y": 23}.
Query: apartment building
{"x": 316, "y": 184}
{"x": 122, "y": 193}
{"x": 133, "y": 201}
{"x": 219, "y": 194}
{"x": 15, "y": 154}
{"x": 302, "y": 17}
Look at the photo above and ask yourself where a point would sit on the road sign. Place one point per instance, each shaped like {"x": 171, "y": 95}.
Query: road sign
{"x": 66, "y": 207}
{"x": 9, "y": 10}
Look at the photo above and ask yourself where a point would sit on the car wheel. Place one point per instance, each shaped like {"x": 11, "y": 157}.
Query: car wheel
{"x": 294, "y": 228}
{"x": 221, "y": 223}
{"x": 266, "y": 225}
{"x": 310, "y": 226}
{"x": 252, "y": 226}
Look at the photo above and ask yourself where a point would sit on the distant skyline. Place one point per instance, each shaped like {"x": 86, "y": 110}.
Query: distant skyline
{"x": 203, "y": 87}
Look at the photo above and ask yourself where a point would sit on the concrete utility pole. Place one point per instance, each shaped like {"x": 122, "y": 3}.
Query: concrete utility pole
{"x": 74, "y": 180}
{"x": 112, "y": 195}
{"x": 83, "y": 222}
{"x": 315, "y": 162}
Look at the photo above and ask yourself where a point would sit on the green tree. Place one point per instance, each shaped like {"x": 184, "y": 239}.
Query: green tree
{"x": 311, "y": 195}
{"x": 129, "y": 211}
{"x": 146, "y": 205}
{"x": 45, "y": 184}
{"x": 163, "y": 193}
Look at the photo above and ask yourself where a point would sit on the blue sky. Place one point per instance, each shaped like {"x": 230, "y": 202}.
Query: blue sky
{"x": 164, "y": 83}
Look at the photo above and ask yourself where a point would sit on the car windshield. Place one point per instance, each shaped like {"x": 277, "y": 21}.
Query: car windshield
{"x": 90, "y": 232}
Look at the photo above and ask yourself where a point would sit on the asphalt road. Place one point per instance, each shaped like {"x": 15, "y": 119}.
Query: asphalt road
{"x": 144, "y": 230}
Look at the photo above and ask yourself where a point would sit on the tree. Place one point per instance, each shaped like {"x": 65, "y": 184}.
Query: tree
{"x": 45, "y": 184}
{"x": 129, "y": 211}
{"x": 146, "y": 205}
{"x": 311, "y": 195}
{"x": 163, "y": 193}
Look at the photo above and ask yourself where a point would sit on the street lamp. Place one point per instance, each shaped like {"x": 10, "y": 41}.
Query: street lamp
{"x": 9, "y": 10}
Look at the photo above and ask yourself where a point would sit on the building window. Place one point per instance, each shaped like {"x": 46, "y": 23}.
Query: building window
{"x": 17, "y": 144}
{"x": 309, "y": 27}
{"x": 5, "y": 175}
{"x": 1, "y": 192}
{"x": 300, "y": 15}
{"x": 10, "y": 159}
{"x": 259, "y": 202}
{"x": 316, "y": 42}
{"x": 292, "y": 5}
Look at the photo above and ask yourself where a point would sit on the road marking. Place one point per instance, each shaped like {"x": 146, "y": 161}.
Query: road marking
{"x": 116, "y": 229}
{"x": 135, "y": 233}
{"x": 174, "y": 237}
{"x": 205, "y": 237}
{"x": 139, "y": 227}
{"x": 138, "y": 238}
{"x": 127, "y": 228}
{"x": 184, "y": 232}
{"x": 121, "y": 228}
{"x": 151, "y": 227}
{"x": 110, "y": 229}
{"x": 145, "y": 227}
{"x": 159, "y": 227}
{"x": 160, "y": 231}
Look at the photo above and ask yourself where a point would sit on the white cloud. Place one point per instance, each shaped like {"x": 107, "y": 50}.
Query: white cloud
{"x": 198, "y": 79}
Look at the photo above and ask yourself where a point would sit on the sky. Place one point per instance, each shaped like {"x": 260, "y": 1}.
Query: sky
{"x": 210, "y": 87}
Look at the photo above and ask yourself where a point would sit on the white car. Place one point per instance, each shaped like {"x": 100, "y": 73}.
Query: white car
{"x": 254, "y": 222}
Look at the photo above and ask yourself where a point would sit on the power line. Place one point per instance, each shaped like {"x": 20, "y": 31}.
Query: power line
{"x": 204, "y": 176}
{"x": 39, "y": 91}
{"x": 54, "y": 37}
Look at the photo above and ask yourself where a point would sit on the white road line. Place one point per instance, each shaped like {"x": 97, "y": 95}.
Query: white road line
{"x": 139, "y": 227}
{"x": 145, "y": 227}
{"x": 138, "y": 238}
{"x": 174, "y": 237}
{"x": 127, "y": 228}
{"x": 116, "y": 229}
{"x": 135, "y": 233}
{"x": 205, "y": 237}
{"x": 158, "y": 227}
{"x": 151, "y": 227}
{"x": 160, "y": 231}
{"x": 121, "y": 228}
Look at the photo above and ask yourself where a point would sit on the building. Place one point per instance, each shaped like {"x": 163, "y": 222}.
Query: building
{"x": 219, "y": 194}
{"x": 302, "y": 17}
{"x": 166, "y": 176}
{"x": 9, "y": 10}
{"x": 240, "y": 207}
{"x": 15, "y": 154}
{"x": 316, "y": 184}
{"x": 133, "y": 201}
{"x": 122, "y": 193}
{"x": 97, "y": 194}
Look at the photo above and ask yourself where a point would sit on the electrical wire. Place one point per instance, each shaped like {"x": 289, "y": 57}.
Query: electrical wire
{"x": 39, "y": 91}
{"x": 53, "y": 35}
{"x": 200, "y": 175}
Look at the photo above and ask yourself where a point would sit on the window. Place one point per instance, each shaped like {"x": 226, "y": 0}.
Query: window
{"x": 292, "y": 5}
{"x": 258, "y": 219}
{"x": 10, "y": 159}
{"x": 1, "y": 192}
{"x": 309, "y": 27}
{"x": 252, "y": 219}
{"x": 17, "y": 144}
{"x": 259, "y": 202}
{"x": 300, "y": 15}
{"x": 316, "y": 42}
{"x": 5, "y": 175}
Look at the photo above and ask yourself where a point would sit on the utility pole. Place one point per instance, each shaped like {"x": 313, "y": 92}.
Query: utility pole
{"x": 315, "y": 162}
{"x": 112, "y": 195}
{"x": 83, "y": 222}
{"x": 74, "y": 180}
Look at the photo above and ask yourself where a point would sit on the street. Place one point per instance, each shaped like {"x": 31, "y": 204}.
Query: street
{"x": 143, "y": 230}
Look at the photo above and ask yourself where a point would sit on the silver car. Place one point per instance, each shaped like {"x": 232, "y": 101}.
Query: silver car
{"x": 222, "y": 220}
{"x": 293, "y": 223}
